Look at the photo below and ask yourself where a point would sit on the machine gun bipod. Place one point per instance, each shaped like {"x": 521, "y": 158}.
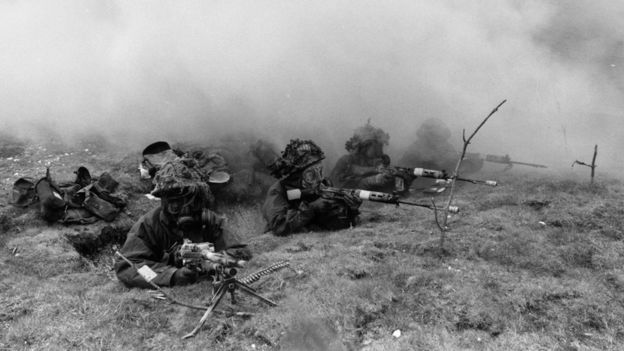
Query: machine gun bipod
{"x": 226, "y": 282}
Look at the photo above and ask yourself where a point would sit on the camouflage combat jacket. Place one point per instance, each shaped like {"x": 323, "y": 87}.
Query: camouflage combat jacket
{"x": 285, "y": 216}
{"x": 153, "y": 240}
{"x": 355, "y": 172}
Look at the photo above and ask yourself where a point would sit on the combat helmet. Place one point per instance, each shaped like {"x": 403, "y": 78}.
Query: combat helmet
{"x": 179, "y": 178}
{"x": 433, "y": 129}
{"x": 297, "y": 155}
{"x": 365, "y": 134}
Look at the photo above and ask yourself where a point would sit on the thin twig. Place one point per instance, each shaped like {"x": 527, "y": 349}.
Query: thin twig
{"x": 444, "y": 227}
{"x": 592, "y": 166}
{"x": 435, "y": 214}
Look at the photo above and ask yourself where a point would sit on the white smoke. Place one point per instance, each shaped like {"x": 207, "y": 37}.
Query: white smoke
{"x": 148, "y": 70}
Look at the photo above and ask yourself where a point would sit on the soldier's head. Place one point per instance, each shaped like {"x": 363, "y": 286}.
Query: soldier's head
{"x": 300, "y": 162}
{"x": 433, "y": 129}
{"x": 368, "y": 141}
{"x": 183, "y": 193}
{"x": 264, "y": 152}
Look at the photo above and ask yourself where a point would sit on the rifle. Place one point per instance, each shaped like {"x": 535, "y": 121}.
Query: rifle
{"x": 507, "y": 160}
{"x": 441, "y": 176}
{"x": 328, "y": 192}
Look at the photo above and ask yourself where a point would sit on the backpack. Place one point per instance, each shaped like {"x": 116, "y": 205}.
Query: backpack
{"x": 24, "y": 193}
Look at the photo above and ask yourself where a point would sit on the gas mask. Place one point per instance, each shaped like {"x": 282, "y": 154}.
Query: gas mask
{"x": 187, "y": 210}
{"x": 373, "y": 149}
{"x": 312, "y": 176}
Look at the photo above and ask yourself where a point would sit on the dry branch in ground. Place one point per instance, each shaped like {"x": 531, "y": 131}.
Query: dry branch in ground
{"x": 444, "y": 227}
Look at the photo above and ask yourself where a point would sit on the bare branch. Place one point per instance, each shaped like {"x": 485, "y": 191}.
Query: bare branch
{"x": 435, "y": 213}
{"x": 592, "y": 166}
{"x": 444, "y": 226}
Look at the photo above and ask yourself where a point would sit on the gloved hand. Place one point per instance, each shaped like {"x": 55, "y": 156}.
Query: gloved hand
{"x": 240, "y": 253}
{"x": 352, "y": 201}
{"x": 385, "y": 160}
{"x": 184, "y": 276}
{"x": 383, "y": 178}
{"x": 321, "y": 205}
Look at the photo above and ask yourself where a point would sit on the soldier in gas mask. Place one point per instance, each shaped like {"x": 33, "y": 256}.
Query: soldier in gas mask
{"x": 154, "y": 240}
{"x": 431, "y": 149}
{"x": 364, "y": 167}
{"x": 300, "y": 172}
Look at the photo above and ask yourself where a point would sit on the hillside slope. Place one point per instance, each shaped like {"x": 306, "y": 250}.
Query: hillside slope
{"x": 533, "y": 264}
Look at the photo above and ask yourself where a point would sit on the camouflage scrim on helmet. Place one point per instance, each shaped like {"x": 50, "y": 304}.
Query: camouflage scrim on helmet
{"x": 179, "y": 177}
{"x": 365, "y": 134}
{"x": 298, "y": 155}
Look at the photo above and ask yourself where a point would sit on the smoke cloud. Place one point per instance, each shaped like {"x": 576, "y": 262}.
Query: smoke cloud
{"x": 141, "y": 71}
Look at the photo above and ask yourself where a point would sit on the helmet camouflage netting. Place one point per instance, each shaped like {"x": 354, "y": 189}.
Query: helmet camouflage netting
{"x": 178, "y": 178}
{"x": 297, "y": 155}
{"x": 365, "y": 134}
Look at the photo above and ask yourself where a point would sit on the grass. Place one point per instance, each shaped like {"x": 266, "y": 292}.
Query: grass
{"x": 533, "y": 264}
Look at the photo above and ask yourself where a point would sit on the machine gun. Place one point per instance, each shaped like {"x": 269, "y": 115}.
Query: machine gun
{"x": 202, "y": 258}
{"x": 441, "y": 176}
{"x": 507, "y": 161}
{"x": 328, "y": 192}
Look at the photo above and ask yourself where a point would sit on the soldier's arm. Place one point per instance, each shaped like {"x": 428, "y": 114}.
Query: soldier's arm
{"x": 223, "y": 236}
{"x": 364, "y": 171}
{"x": 345, "y": 173}
{"x": 140, "y": 251}
{"x": 281, "y": 219}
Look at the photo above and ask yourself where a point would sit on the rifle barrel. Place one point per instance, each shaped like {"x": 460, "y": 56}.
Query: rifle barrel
{"x": 528, "y": 164}
{"x": 505, "y": 161}
{"x": 452, "y": 209}
{"x": 473, "y": 181}
{"x": 479, "y": 181}
{"x": 376, "y": 196}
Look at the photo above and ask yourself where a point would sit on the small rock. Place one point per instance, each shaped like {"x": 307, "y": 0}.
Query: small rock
{"x": 397, "y": 333}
